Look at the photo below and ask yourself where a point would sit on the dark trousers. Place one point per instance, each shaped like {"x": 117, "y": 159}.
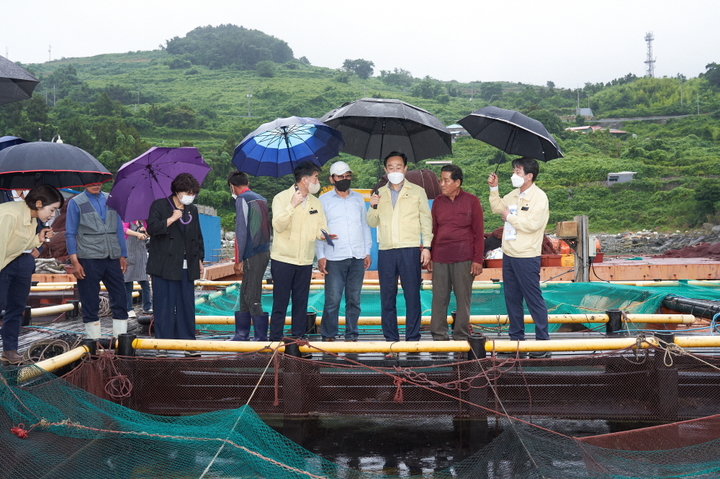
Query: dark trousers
{"x": 144, "y": 294}
{"x": 289, "y": 279}
{"x": 174, "y": 304}
{"x": 344, "y": 275}
{"x": 108, "y": 271}
{"x": 251, "y": 289}
{"x": 405, "y": 264}
{"x": 447, "y": 277}
{"x": 15, "y": 282}
{"x": 521, "y": 280}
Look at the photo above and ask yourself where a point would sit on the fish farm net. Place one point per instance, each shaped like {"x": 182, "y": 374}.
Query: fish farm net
{"x": 141, "y": 417}
{"x": 560, "y": 298}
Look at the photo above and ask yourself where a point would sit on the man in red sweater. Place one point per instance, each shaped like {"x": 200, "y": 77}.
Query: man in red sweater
{"x": 457, "y": 253}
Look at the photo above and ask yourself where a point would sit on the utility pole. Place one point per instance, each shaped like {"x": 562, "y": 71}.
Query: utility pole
{"x": 49, "y": 53}
{"x": 249, "y": 96}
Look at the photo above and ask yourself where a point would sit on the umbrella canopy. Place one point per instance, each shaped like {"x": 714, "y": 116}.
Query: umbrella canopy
{"x": 7, "y": 141}
{"x": 277, "y": 147}
{"x": 147, "y": 178}
{"x": 374, "y": 127}
{"x": 512, "y": 132}
{"x": 15, "y": 82}
{"x": 27, "y": 165}
{"x": 427, "y": 179}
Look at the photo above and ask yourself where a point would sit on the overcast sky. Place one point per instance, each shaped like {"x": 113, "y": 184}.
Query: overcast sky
{"x": 530, "y": 41}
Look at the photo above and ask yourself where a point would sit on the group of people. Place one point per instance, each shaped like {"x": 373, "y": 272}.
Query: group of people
{"x": 98, "y": 245}
{"x": 335, "y": 228}
{"x": 447, "y": 240}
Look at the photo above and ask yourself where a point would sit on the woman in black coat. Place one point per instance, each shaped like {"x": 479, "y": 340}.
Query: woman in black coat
{"x": 175, "y": 258}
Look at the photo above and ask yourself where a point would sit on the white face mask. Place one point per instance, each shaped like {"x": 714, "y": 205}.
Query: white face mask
{"x": 313, "y": 188}
{"x": 517, "y": 181}
{"x": 396, "y": 177}
{"x": 187, "y": 199}
{"x": 234, "y": 196}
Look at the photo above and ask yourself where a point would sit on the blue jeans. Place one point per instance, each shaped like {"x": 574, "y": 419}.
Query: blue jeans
{"x": 405, "y": 264}
{"x": 347, "y": 275}
{"x": 521, "y": 280}
{"x": 15, "y": 282}
{"x": 144, "y": 295}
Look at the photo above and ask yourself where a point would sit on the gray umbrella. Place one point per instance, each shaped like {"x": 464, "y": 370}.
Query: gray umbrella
{"x": 373, "y": 127}
{"x": 15, "y": 82}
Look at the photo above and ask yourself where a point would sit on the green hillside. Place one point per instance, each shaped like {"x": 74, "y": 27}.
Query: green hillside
{"x": 193, "y": 92}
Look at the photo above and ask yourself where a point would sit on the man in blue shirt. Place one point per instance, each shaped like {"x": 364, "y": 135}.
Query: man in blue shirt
{"x": 96, "y": 247}
{"x": 344, "y": 263}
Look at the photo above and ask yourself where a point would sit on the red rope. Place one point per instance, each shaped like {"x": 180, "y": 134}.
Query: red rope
{"x": 398, "y": 392}
{"x": 20, "y": 431}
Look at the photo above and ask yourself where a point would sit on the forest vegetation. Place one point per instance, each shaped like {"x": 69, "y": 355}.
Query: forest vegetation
{"x": 215, "y": 85}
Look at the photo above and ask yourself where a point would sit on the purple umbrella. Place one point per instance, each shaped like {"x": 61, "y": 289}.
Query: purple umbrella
{"x": 147, "y": 178}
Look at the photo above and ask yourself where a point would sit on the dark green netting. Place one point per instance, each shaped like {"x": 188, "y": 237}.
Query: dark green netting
{"x": 561, "y": 298}
{"x": 73, "y": 434}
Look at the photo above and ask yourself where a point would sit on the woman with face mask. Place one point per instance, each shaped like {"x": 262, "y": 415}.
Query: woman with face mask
{"x": 19, "y": 233}
{"x": 175, "y": 259}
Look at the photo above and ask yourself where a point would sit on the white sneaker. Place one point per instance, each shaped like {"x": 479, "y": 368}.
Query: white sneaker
{"x": 131, "y": 314}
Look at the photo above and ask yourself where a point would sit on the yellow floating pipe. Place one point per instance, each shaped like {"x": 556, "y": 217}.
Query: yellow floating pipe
{"x": 698, "y": 341}
{"x": 495, "y": 319}
{"x": 507, "y": 346}
{"x": 49, "y": 365}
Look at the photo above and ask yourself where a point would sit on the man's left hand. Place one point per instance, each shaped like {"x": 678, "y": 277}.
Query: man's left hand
{"x": 425, "y": 257}
{"x": 367, "y": 261}
{"x": 238, "y": 268}
{"x": 476, "y": 269}
{"x": 123, "y": 264}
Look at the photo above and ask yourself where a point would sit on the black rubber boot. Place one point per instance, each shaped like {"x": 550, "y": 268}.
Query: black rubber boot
{"x": 260, "y": 324}
{"x": 242, "y": 326}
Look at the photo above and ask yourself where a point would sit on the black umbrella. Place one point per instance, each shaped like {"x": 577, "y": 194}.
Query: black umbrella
{"x": 27, "y": 165}
{"x": 373, "y": 127}
{"x": 15, "y": 82}
{"x": 512, "y": 132}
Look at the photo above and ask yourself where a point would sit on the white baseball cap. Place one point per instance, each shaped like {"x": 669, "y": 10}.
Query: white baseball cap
{"x": 339, "y": 168}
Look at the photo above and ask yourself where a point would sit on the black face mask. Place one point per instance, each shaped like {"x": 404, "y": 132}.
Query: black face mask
{"x": 342, "y": 185}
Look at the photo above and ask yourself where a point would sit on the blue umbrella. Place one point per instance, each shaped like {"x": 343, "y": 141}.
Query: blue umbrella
{"x": 7, "y": 141}
{"x": 277, "y": 147}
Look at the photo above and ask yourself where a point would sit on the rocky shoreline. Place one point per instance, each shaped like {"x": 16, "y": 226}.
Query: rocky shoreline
{"x": 652, "y": 243}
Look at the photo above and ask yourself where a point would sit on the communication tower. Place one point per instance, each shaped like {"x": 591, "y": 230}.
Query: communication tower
{"x": 650, "y": 61}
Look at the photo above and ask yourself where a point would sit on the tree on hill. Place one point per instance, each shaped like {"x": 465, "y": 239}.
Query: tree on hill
{"x": 712, "y": 74}
{"x": 362, "y": 68}
{"x": 229, "y": 45}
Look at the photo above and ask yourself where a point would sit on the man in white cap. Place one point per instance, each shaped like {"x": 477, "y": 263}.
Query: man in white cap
{"x": 344, "y": 263}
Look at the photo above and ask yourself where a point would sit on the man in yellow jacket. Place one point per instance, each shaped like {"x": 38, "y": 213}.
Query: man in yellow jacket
{"x": 525, "y": 211}
{"x": 298, "y": 220}
{"x": 402, "y": 216}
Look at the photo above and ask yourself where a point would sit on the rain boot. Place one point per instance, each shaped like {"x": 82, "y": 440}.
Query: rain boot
{"x": 260, "y": 325}
{"x": 242, "y": 326}
{"x": 119, "y": 327}
{"x": 92, "y": 330}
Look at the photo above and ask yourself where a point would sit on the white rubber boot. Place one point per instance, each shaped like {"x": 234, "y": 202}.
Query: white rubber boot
{"x": 119, "y": 327}
{"x": 92, "y": 330}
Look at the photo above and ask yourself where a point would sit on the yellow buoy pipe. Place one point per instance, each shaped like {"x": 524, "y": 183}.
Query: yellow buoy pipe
{"x": 48, "y": 365}
{"x": 495, "y": 319}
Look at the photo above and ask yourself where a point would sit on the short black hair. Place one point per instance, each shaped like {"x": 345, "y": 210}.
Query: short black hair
{"x": 306, "y": 168}
{"x": 395, "y": 153}
{"x": 185, "y": 182}
{"x": 456, "y": 172}
{"x": 529, "y": 165}
{"x": 238, "y": 178}
{"x": 46, "y": 194}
